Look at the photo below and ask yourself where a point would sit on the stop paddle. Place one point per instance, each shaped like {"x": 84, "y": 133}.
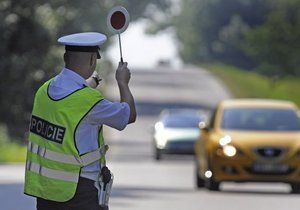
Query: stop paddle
{"x": 117, "y": 21}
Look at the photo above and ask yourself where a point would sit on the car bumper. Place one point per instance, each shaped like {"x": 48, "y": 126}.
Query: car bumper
{"x": 178, "y": 147}
{"x": 245, "y": 170}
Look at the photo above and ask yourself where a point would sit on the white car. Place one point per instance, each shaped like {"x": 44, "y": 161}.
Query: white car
{"x": 176, "y": 132}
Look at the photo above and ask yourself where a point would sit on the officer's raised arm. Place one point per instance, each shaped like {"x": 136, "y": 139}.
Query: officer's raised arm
{"x": 123, "y": 76}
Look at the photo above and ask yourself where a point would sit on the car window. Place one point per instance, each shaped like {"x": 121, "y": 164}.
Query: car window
{"x": 181, "y": 121}
{"x": 263, "y": 119}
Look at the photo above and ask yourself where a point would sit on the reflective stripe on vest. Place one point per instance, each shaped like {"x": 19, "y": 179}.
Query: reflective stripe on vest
{"x": 83, "y": 160}
{"x": 51, "y": 173}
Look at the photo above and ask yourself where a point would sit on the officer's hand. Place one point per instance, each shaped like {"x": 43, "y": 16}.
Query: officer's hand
{"x": 95, "y": 74}
{"x": 91, "y": 81}
{"x": 123, "y": 74}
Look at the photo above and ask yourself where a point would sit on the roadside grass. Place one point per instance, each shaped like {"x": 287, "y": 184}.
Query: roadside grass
{"x": 245, "y": 84}
{"x": 9, "y": 151}
{"x": 12, "y": 152}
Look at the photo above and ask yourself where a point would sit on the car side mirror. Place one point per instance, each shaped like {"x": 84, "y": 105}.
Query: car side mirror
{"x": 203, "y": 127}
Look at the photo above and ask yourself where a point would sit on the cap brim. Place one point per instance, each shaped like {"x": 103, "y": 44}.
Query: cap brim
{"x": 83, "y": 39}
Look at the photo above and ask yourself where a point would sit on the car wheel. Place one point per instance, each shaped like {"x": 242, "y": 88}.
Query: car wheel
{"x": 212, "y": 185}
{"x": 157, "y": 154}
{"x": 295, "y": 188}
{"x": 199, "y": 181}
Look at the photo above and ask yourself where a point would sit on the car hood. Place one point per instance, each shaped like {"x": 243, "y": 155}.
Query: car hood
{"x": 180, "y": 133}
{"x": 251, "y": 140}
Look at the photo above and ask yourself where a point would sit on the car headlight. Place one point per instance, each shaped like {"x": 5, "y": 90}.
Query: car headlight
{"x": 225, "y": 140}
{"x": 229, "y": 150}
{"x": 159, "y": 126}
{"x": 161, "y": 142}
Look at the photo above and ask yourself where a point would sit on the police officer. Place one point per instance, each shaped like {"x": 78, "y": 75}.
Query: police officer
{"x": 66, "y": 146}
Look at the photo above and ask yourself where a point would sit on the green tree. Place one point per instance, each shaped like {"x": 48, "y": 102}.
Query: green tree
{"x": 212, "y": 30}
{"x": 276, "y": 43}
{"x": 24, "y": 48}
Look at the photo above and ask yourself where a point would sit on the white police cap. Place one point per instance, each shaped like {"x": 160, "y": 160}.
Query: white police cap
{"x": 83, "y": 42}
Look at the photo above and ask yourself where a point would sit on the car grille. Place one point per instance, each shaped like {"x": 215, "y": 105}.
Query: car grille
{"x": 269, "y": 152}
{"x": 181, "y": 146}
{"x": 254, "y": 172}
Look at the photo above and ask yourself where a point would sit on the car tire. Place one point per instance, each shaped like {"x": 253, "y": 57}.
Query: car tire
{"x": 200, "y": 183}
{"x": 157, "y": 154}
{"x": 212, "y": 185}
{"x": 295, "y": 188}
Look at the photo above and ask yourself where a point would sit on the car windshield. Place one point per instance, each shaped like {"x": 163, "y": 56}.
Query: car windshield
{"x": 181, "y": 121}
{"x": 263, "y": 119}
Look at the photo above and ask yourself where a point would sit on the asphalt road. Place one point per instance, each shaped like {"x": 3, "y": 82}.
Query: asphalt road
{"x": 143, "y": 183}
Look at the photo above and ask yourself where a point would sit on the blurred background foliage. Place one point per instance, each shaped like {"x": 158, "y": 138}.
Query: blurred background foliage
{"x": 256, "y": 35}
{"x": 260, "y": 35}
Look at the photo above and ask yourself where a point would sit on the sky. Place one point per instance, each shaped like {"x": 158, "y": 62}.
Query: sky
{"x": 143, "y": 51}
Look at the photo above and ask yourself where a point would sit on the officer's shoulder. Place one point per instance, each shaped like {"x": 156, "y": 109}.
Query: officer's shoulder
{"x": 43, "y": 87}
{"x": 93, "y": 92}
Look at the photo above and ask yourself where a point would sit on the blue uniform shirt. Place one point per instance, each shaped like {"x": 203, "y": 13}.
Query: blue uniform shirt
{"x": 113, "y": 114}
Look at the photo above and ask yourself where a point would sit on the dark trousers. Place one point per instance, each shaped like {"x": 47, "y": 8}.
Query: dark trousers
{"x": 86, "y": 198}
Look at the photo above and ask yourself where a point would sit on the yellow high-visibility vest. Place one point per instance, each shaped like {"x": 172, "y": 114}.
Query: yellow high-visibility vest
{"x": 53, "y": 162}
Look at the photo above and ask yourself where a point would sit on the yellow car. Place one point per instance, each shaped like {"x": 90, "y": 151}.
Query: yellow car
{"x": 250, "y": 140}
